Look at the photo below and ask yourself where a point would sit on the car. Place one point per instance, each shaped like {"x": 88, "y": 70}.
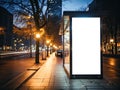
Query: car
{"x": 59, "y": 53}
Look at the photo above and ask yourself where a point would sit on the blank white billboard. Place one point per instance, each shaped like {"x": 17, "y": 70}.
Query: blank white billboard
{"x": 86, "y": 58}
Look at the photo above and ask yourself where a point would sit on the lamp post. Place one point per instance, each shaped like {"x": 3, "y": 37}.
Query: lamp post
{"x": 37, "y": 48}
{"x": 30, "y": 45}
{"x": 50, "y": 48}
{"x": 47, "y": 46}
{"x": 112, "y": 41}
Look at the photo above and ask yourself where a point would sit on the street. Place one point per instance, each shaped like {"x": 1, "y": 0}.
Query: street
{"x": 111, "y": 70}
{"x": 11, "y": 68}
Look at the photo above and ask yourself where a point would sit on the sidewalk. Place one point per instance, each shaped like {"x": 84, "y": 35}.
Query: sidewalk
{"x": 51, "y": 76}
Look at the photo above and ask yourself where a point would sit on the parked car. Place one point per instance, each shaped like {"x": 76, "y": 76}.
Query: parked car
{"x": 59, "y": 53}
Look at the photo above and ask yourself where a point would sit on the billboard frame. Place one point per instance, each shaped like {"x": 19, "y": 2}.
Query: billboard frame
{"x": 82, "y": 14}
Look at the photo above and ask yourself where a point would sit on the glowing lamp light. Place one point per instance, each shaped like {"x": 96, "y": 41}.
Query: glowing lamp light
{"x": 51, "y": 44}
{"x": 111, "y": 40}
{"x": 55, "y": 46}
{"x": 47, "y": 41}
{"x": 37, "y": 35}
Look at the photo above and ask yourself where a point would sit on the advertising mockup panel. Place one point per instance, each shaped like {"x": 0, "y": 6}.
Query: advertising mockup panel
{"x": 85, "y": 45}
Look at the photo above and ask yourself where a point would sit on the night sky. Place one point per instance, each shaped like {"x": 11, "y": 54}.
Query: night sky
{"x": 70, "y": 5}
{"x": 73, "y": 5}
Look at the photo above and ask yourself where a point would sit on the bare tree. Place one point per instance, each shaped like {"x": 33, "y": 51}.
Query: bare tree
{"x": 22, "y": 8}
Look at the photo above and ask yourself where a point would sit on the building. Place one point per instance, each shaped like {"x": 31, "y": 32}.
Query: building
{"x": 54, "y": 17}
{"x": 54, "y": 8}
{"x": 6, "y": 27}
{"x": 104, "y": 5}
{"x": 109, "y": 12}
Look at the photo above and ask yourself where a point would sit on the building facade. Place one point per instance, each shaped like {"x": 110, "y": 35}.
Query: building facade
{"x": 110, "y": 24}
{"x": 6, "y": 27}
{"x": 104, "y": 5}
{"x": 54, "y": 17}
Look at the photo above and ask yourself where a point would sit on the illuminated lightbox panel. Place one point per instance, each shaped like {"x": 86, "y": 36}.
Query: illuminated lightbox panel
{"x": 86, "y": 56}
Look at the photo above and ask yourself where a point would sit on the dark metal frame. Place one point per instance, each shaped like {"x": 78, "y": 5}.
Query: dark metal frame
{"x": 81, "y": 14}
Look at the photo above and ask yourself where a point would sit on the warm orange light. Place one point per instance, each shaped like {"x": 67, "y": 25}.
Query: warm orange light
{"x": 112, "y": 62}
{"x": 29, "y": 17}
{"x": 37, "y": 35}
{"x": 55, "y": 46}
{"x": 48, "y": 41}
{"x": 50, "y": 44}
{"x": 2, "y": 28}
{"x": 42, "y": 31}
{"x": 111, "y": 40}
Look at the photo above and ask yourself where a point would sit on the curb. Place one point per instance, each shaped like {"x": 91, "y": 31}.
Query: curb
{"x": 111, "y": 55}
{"x": 20, "y": 79}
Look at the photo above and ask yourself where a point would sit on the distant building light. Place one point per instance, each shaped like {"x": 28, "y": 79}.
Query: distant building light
{"x": 87, "y": 9}
{"x": 22, "y": 44}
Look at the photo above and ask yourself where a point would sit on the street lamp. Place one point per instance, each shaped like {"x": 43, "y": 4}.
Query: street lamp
{"x": 112, "y": 41}
{"x": 37, "y": 36}
{"x": 48, "y": 41}
{"x": 50, "y": 48}
{"x": 37, "y": 48}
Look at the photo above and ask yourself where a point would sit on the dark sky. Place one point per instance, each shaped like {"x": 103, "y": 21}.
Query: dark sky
{"x": 72, "y": 5}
